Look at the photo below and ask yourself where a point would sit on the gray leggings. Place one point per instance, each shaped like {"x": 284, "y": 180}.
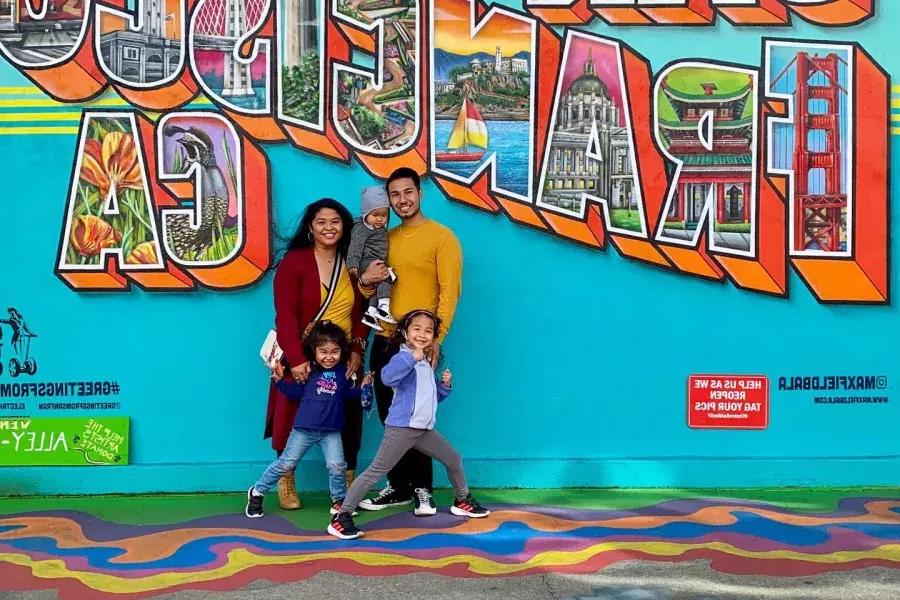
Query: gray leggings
{"x": 396, "y": 442}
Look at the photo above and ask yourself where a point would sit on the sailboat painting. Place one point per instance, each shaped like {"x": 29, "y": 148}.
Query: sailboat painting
{"x": 469, "y": 130}
{"x": 482, "y": 90}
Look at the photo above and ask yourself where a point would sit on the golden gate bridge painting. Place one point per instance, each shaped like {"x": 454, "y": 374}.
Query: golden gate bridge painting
{"x": 814, "y": 145}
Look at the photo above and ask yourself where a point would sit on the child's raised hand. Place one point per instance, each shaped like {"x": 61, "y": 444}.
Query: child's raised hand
{"x": 368, "y": 379}
{"x": 447, "y": 377}
{"x": 418, "y": 354}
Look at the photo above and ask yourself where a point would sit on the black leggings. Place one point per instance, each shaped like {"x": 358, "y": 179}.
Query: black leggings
{"x": 415, "y": 469}
{"x": 351, "y": 434}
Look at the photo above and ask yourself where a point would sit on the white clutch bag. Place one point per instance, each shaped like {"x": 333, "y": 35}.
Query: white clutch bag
{"x": 271, "y": 352}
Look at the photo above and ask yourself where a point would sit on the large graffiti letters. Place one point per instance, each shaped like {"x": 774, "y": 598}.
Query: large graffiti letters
{"x": 131, "y": 175}
{"x": 702, "y": 12}
{"x": 378, "y": 111}
{"x": 591, "y": 160}
{"x": 826, "y": 139}
{"x": 728, "y": 172}
{"x": 482, "y": 110}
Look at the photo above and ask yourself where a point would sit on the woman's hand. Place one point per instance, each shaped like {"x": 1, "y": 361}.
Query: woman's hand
{"x": 278, "y": 371}
{"x": 375, "y": 273}
{"x": 353, "y": 364}
{"x": 301, "y": 372}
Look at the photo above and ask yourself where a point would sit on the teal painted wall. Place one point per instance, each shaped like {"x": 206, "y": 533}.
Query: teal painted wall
{"x": 570, "y": 363}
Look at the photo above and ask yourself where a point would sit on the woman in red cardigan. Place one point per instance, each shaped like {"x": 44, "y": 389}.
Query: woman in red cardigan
{"x": 301, "y": 284}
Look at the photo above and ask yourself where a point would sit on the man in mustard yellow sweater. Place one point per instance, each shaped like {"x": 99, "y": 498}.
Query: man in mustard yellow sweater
{"x": 427, "y": 260}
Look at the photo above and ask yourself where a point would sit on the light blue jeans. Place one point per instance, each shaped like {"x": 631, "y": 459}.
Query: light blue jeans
{"x": 298, "y": 443}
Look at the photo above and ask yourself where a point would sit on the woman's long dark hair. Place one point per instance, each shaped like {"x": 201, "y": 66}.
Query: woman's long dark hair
{"x": 301, "y": 237}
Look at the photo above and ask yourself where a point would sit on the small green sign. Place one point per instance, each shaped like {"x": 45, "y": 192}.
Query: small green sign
{"x": 44, "y": 441}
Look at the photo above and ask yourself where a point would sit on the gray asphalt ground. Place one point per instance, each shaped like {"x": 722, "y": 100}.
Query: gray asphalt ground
{"x": 621, "y": 581}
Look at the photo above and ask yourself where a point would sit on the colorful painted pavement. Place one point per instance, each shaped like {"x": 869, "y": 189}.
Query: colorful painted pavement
{"x": 106, "y": 547}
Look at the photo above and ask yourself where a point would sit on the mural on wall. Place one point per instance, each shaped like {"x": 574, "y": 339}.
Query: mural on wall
{"x": 301, "y": 69}
{"x": 482, "y": 88}
{"x": 706, "y": 125}
{"x": 205, "y": 147}
{"x": 236, "y": 78}
{"x": 812, "y": 147}
{"x": 145, "y": 56}
{"x": 50, "y": 34}
{"x": 721, "y": 171}
{"x": 21, "y": 359}
{"x": 591, "y": 155}
{"x": 378, "y": 111}
{"x": 109, "y": 210}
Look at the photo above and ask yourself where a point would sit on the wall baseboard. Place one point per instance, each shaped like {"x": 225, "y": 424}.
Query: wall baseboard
{"x": 675, "y": 472}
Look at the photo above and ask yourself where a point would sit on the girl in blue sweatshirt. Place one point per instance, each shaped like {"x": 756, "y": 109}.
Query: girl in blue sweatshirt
{"x": 410, "y": 423}
{"x": 320, "y": 416}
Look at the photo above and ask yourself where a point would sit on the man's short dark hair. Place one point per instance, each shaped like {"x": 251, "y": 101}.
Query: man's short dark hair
{"x": 403, "y": 173}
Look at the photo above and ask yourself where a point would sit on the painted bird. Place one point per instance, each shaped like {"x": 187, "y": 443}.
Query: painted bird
{"x": 213, "y": 209}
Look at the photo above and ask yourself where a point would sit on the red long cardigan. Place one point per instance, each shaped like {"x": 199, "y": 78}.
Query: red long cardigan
{"x": 298, "y": 297}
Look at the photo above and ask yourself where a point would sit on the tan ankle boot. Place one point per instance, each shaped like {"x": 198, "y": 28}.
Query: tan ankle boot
{"x": 351, "y": 476}
{"x": 287, "y": 493}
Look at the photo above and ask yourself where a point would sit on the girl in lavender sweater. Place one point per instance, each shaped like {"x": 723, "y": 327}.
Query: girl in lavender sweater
{"x": 410, "y": 423}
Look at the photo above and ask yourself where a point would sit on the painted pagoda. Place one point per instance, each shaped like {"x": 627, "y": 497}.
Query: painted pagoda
{"x": 721, "y": 166}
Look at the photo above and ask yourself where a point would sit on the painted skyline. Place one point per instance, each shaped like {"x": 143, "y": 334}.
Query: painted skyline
{"x": 453, "y": 34}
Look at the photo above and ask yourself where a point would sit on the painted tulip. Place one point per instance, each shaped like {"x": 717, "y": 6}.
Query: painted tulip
{"x": 143, "y": 254}
{"x": 112, "y": 165}
{"x": 92, "y": 234}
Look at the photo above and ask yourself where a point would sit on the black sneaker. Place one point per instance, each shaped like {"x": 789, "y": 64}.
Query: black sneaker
{"x": 424, "y": 503}
{"x": 342, "y": 527}
{"x": 370, "y": 321}
{"x": 469, "y": 507}
{"x": 254, "y": 509}
{"x": 336, "y": 508}
{"x": 385, "y": 498}
{"x": 385, "y": 316}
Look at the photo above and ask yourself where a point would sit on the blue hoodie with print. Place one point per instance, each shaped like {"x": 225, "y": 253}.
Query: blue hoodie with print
{"x": 321, "y": 398}
{"x": 416, "y": 392}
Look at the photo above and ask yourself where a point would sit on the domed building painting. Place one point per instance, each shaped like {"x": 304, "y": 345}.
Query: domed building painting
{"x": 590, "y": 154}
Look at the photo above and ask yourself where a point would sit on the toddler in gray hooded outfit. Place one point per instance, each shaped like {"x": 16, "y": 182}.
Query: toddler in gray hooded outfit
{"x": 368, "y": 243}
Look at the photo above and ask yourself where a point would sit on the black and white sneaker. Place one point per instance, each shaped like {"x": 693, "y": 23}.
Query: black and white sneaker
{"x": 336, "y": 508}
{"x": 370, "y": 321}
{"x": 424, "y": 503}
{"x": 254, "y": 509}
{"x": 384, "y": 315}
{"x": 342, "y": 527}
{"x": 469, "y": 507}
{"x": 385, "y": 498}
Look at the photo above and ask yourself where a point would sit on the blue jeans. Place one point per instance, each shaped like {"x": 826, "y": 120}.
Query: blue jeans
{"x": 298, "y": 443}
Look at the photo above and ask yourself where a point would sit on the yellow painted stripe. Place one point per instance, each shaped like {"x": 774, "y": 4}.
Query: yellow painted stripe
{"x": 35, "y": 116}
{"x": 44, "y": 102}
{"x": 37, "y": 130}
{"x": 9, "y": 90}
{"x": 895, "y": 130}
{"x": 895, "y": 103}
{"x": 47, "y": 102}
{"x": 895, "y": 89}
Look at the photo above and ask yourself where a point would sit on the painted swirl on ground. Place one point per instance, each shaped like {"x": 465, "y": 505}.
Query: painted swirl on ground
{"x": 77, "y": 552}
